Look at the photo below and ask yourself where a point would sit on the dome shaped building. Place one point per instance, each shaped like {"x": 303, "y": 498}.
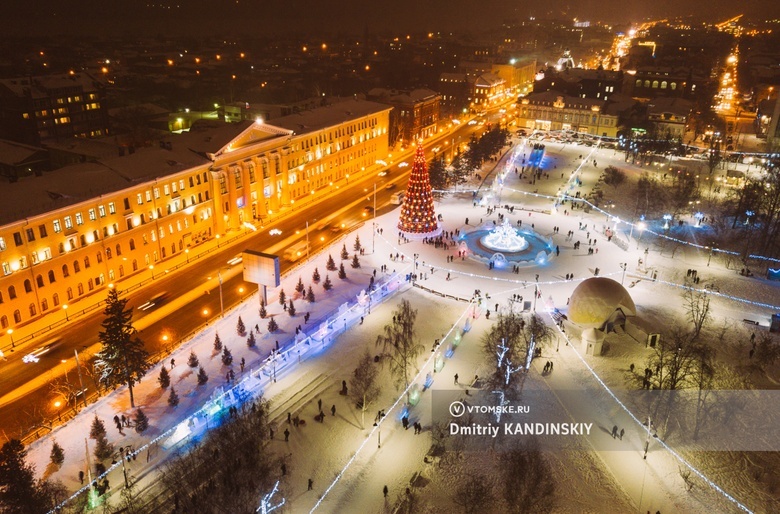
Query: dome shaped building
{"x": 597, "y": 305}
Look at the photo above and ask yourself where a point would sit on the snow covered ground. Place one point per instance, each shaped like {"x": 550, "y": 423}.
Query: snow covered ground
{"x": 588, "y": 480}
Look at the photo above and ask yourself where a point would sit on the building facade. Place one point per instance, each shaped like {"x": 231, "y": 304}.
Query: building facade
{"x": 554, "y": 111}
{"x": 68, "y": 235}
{"x": 56, "y": 106}
{"x": 416, "y": 113}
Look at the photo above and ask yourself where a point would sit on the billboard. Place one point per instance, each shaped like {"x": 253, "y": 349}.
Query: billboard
{"x": 261, "y": 268}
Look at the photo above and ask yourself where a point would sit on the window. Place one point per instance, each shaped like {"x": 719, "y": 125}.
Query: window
{"x": 655, "y": 84}
{"x": 181, "y": 184}
{"x": 79, "y": 218}
{"x": 663, "y": 84}
{"x": 86, "y": 262}
{"x": 132, "y": 245}
{"x": 108, "y": 254}
{"x": 52, "y": 278}
{"x": 2, "y": 244}
{"x": 80, "y": 289}
{"x": 76, "y": 267}
{"x": 121, "y": 270}
{"x": 65, "y": 272}
{"x": 70, "y": 293}
{"x": 30, "y": 234}
{"x": 118, "y": 250}
{"x": 148, "y": 195}
{"x": 44, "y": 305}
{"x": 4, "y": 322}
{"x": 111, "y": 208}
{"x": 33, "y": 310}
{"x": 673, "y": 85}
{"x": 102, "y": 210}
{"x": 92, "y": 215}
{"x": 68, "y": 223}
{"x": 173, "y": 186}
{"x": 127, "y": 204}
{"x": 139, "y": 199}
{"x": 17, "y": 316}
{"x": 1, "y": 297}
{"x": 237, "y": 176}
{"x": 157, "y": 193}
{"x": 39, "y": 280}
{"x": 18, "y": 239}
{"x": 27, "y": 286}
{"x": 167, "y": 190}
{"x": 42, "y": 231}
{"x": 55, "y": 299}
{"x": 11, "y": 292}
{"x": 100, "y": 256}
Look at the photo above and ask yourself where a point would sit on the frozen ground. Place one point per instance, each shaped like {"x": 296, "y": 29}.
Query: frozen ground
{"x": 588, "y": 480}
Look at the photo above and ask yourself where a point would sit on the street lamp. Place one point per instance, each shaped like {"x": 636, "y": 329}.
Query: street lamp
{"x": 10, "y": 333}
{"x": 623, "y": 266}
{"x": 151, "y": 268}
{"x": 65, "y": 308}
{"x": 378, "y": 435}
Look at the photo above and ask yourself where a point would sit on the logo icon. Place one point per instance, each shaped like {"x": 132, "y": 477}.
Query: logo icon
{"x": 457, "y": 409}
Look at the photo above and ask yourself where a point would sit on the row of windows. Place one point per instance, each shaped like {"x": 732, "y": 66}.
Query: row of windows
{"x": 654, "y": 84}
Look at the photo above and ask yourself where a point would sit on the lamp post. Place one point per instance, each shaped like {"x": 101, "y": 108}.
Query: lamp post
{"x": 221, "y": 303}
{"x": 373, "y": 232}
{"x": 124, "y": 468}
{"x": 378, "y": 435}
{"x": 712, "y": 247}
{"x": 151, "y": 268}
{"x": 65, "y": 308}
{"x": 10, "y": 333}
{"x": 623, "y": 266}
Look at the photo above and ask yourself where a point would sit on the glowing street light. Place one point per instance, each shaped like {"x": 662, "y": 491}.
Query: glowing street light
{"x": 65, "y": 308}
{"x": 10, "y": 333}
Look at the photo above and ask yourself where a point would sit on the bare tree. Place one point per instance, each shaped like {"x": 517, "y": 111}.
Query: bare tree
{"x": 473, "y": 494}
{"x": 674, "y": 360}
{"x": 363, "y": 387}
{"x": 399, "y": 344}
{"x": 527, "y": 480}
{"x": 697, "y": 307}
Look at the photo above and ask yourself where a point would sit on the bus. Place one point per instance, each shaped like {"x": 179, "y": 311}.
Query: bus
{"x": 296, "y": 251}
{"x": 397, "y": 198}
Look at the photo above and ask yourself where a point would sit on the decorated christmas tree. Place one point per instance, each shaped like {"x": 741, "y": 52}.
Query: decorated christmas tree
{"x": 418, "y": 218}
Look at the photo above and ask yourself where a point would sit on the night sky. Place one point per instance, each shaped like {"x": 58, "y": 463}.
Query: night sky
{"x": 271, "y": 16}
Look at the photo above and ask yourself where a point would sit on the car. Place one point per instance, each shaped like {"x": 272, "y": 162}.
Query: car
{"x": 403, "y": 165}
{"x": 382, "y": 173}
{"x": 388, "y": 187}
{"x": 368, "y": 209}
{"x": 35, "y": 355}
{"x": 473, "y": 122}
{"x": 154, "y": 301}
{"x": 275, "y": 232}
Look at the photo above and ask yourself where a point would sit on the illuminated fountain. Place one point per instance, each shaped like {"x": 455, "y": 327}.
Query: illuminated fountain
{"x": 504, "y": 238}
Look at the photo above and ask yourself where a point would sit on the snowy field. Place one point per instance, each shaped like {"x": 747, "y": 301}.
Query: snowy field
{"x": 587, "y": 480}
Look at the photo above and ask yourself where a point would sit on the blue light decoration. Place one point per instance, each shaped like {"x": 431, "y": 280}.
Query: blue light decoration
{"x": 773, "y": 274}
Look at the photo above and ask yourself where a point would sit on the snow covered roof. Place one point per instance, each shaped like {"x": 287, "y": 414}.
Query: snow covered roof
{"x": 596, "y": 299}
{"x": 331, "y": 115}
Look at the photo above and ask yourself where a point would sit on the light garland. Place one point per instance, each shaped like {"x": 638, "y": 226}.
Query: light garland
{"x": 417, "y": 211}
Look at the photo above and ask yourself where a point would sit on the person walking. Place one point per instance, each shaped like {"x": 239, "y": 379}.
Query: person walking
{"x": 456, "y": 379}
{"x": 333, "y": 410}
{"x": 173, "y": 363}
{"x": 319, "y": 404}
{"x": 289, "y": 418}
{"x": 311, "y": 484}
{"x": 622, "y": 431}
{"x": 286, "y": 435}
{"x": 614, "y": 431}
{"x": 385, "y": 491}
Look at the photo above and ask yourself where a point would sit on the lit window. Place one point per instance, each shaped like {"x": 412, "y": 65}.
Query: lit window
{"x": 68, "y": 223}
{"x": 102, "y": 211}
{"x": 2, "y": 243}
{"x": 111, "y": 208}
{"x": 79, "y": 219}
{"x": 139, "y": 198}
{"x": 57, "y": 226}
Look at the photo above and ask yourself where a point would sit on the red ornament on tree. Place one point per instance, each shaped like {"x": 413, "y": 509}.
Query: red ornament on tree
{"x": 418, "y": 218}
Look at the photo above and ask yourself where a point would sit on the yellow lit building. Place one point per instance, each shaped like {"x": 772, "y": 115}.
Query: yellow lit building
{"x": 69, "y": 234}
{"x": 551, "y": 110}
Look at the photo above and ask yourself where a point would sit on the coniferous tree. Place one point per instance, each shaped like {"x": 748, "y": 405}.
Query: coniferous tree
{"x": 342, "y": 271}
{"x": 122, "y": 359}
{"x": 263, "y": 312}
{"x": 327, "y": 285}
{"x": 103, "y": 449}
{"x": 240, "y": 327}
{"x": 57, "y": 454}
{"x": 227, "y": 357}
{"x": 97, "y": 429}
{"x": 310, "y": 295}
{"x": 331, "y": 264}
{"x": 193, "y": 361}
{"x": 316, "y": 275}
{"x": 19, "y": 491}
{"x": 141, "y": 421}
{"x": 357, "y": 246}
{"x": 250, "y": 341}
{"x": 355, "y": 261}
{"x": 202, "y": 376}
{"x": 217, "y": 343}
{"x": 291, "y": 309}
{"x": 299, "y": 287}
{"x": 164, "y": 379}
{"x": 173, "y": 398}
{"x": 272, "y": 326}
{"x": 344, "y": 252}
{"x": 282, "y": 297}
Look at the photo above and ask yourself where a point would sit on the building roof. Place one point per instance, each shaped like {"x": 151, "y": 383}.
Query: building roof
{"x": 488, "y": 80}
{"x": 13, "y": 153}
{"x": 39, "y": 86}
{"x": 571, "y": 102}
{"x": 453, "y": 77}
{"x": 669, "y": 104}
{"x": 595, "y": 300}
{"x": 334, "y": 114}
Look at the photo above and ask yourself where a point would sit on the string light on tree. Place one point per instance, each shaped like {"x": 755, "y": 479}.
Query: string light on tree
{"x": 418, "y": 217}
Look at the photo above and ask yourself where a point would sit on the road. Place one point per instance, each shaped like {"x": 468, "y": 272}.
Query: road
{"x": 26, "y": 395}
